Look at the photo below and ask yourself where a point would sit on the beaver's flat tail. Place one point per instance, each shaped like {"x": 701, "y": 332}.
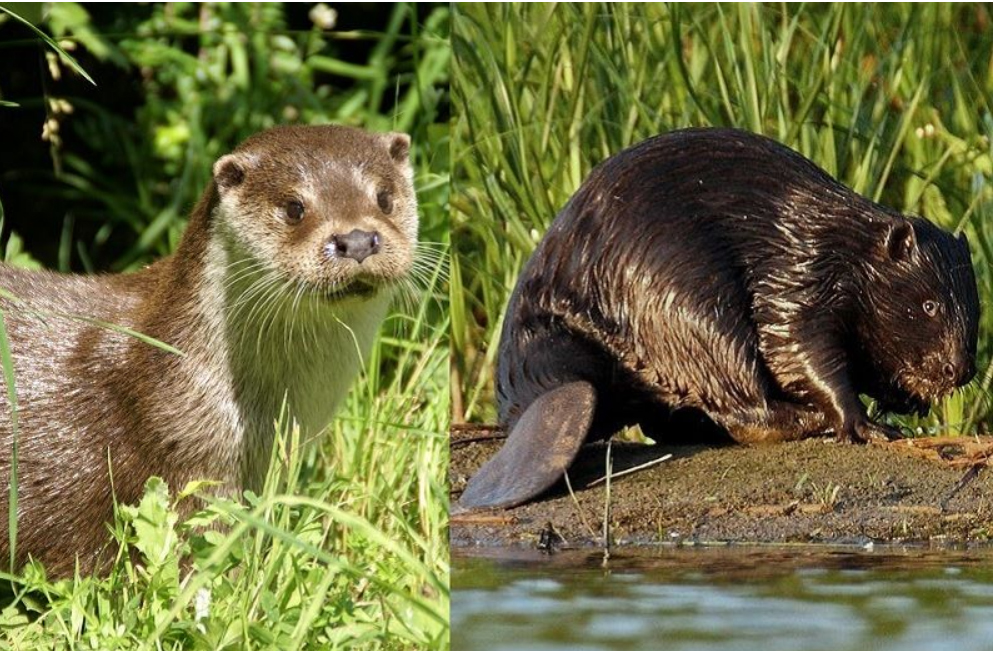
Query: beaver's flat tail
{"x": 539, "y": 449}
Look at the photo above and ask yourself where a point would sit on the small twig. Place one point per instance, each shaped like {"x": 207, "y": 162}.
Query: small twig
{"x": 971, "y": 472}
{"x": 484, "y": 518}
{"x": 576, "y": 503}
{"x": 642, "y": 466}
{"x": 473, "y": 427}
{"x": 607, "y": 506}
{"x": 486, "y": 433}
{"x": 476, "y": 439}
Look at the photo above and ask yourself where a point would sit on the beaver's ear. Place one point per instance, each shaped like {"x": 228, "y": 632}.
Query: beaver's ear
{"x": 962, "y": 241}
{"x": 399, "y": 146}
{"x": 229, "y": 171}
{"x": 899, "y": 240}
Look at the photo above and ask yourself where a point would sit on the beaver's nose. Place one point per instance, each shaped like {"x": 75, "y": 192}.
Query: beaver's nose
{"x": 967, "y": 371}
{"x": 357, "y": 245}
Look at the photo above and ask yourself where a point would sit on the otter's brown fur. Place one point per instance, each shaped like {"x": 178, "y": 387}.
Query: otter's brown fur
{"x": 261, "y": 304}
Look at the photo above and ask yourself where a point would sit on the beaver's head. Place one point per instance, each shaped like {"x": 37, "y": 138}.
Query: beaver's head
{"x": 919, "y": 314}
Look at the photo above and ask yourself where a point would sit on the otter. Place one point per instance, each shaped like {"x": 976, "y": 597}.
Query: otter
{"x": 718, "y": 273}
{"x": 275, "y": 292}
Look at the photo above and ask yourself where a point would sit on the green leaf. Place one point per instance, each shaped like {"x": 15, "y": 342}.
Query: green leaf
{"x": 14, "y": 253}
{"x": 52, "y": 44}
{"x": 154, "y": 522}
{"x": 194, "y": 487}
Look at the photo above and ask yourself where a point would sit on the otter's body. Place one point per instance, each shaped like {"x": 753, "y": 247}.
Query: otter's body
{"x": 260, "y": 308}
{"x": 717, "y": 272}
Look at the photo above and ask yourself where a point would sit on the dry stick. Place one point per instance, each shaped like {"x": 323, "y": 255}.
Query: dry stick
{"x": 473, "y": 427}
{"x": 457, "y": 443}
{"x": 641, "y": 466}
{"x": 576, "y": 503}
{"x": 458, "y": 433}
{"x": 971, "y": 472}
{"x": 607, "y": 506}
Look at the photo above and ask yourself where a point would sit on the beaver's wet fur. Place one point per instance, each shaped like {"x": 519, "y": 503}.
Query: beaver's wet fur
{"x": 717, "y": 272}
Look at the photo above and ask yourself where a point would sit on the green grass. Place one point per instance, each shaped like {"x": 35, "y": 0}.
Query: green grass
{"x": 347, "y": 545}
{"x": 894, "y": 100}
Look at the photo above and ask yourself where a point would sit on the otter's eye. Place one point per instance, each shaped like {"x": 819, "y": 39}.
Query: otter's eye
{"x": 931, "y": 308}
{"x": 385, "y": 201}
{"x": 294, "y": 212}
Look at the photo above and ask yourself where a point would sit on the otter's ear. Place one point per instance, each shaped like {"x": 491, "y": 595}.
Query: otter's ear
{"x": 399, "y": 145}
{"x": 229, "y": 171}
{"x": 899, "y": 240}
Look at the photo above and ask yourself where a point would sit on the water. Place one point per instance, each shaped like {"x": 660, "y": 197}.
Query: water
{"x": 768, "y": 599}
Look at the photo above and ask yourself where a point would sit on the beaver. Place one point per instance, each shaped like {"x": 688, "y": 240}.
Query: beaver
{"x": 717, "y": 272}
{"x": 275, "y": 292}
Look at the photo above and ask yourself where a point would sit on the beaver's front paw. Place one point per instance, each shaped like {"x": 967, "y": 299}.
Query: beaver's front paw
{"x": 865, "y": 431}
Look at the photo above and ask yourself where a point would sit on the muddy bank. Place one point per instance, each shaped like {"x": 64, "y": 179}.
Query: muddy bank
{"x": 814, "y": 491}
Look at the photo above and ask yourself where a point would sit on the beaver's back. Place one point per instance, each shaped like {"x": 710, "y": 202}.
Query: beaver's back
{"x": 655, "y": 263}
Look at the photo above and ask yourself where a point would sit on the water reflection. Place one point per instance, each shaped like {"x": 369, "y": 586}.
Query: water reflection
{"x": 769, "y": 599}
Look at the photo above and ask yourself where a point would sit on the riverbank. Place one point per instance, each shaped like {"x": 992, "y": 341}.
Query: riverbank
{"x": 934, "y": 491}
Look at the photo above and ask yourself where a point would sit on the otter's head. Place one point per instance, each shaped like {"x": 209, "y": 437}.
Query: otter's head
{"x": 919, "y": 314}
{"x": 327, "y": 209}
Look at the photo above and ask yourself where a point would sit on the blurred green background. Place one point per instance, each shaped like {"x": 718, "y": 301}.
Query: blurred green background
{"x": 348, "y": 546}
{"x": 892, "y": 99}
{"x": 176, "y": 86}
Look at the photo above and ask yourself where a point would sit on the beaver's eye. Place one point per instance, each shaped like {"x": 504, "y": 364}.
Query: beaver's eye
{"x": 931, "y": 308}
{"x": 294, "y": 212}
{"x": 385, "y": 201}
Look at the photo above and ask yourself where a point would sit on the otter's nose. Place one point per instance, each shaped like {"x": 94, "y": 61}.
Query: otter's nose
{"x": 357, "y": 245}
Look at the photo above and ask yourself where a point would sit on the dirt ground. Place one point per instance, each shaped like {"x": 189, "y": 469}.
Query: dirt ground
{"x": 935, "y": 491}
